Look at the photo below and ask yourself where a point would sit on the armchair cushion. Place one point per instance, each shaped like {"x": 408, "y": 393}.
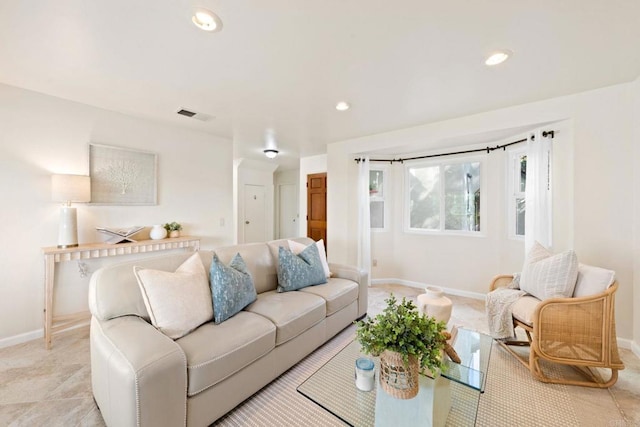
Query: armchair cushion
{"x": 593, "y": 280}
{"x": 549, "y": 276}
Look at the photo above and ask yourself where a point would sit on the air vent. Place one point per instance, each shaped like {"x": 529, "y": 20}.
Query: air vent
{"x": 186, "y": 113}
{"x": 198, "y": 116}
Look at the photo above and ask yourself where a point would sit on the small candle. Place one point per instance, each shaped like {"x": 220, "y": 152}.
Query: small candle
{"x": 365, "y": 374}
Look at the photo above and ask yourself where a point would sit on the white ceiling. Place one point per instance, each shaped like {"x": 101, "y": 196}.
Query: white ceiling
{"x": 281, "y": 65}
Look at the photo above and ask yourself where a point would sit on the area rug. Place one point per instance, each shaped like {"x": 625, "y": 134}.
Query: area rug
{"x": 512, "y": 398}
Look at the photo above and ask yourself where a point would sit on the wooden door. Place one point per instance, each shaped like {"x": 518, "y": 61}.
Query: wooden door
{"x": 317, "y": 207}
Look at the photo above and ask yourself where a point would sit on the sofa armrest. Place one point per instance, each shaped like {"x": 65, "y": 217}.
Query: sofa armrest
{"x": 138, "y": 375}
{"x": 361, "y": 277}
{"x": 501, "y": 281}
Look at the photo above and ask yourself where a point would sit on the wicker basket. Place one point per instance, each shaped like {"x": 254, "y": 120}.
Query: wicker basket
{"x": 396, "y": 379}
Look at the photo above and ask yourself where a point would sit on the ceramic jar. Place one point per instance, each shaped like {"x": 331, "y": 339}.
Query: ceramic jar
{"x": 157, "y": 232}
{"x": 433, "y": 303}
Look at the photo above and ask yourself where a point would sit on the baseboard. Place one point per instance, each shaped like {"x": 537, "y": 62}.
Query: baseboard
{"x": 21, "y": 338}
{"x": 419, "y": 285}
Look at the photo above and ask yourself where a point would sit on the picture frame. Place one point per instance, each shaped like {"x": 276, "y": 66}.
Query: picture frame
{"x": 122, "y": 176}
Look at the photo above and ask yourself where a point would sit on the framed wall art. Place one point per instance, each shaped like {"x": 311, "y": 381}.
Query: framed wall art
{"x": 121, "y": 176}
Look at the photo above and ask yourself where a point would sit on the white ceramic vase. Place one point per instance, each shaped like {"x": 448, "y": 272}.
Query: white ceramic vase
{"x": 433, "y": 303}
{"x": 157, "y": 232}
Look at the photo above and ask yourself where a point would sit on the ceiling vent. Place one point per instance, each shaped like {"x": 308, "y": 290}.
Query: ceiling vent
{"x": 195, "y": 115}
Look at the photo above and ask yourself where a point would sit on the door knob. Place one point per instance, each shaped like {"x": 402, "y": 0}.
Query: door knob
{"x": 246, "y": 222}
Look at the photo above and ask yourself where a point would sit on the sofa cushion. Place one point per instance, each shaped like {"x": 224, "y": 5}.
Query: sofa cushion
{"x": 545, "y": 275}
{"x": 214, "y": 352}
{"x": 593, "y": 280}
{"x": 259, "y": 262}
{"x": 338, "y": 293}
{"x": 231, "y": 286}
{"x": 524, "y": 308}
{"x": 177, "y": 302}
{"x": 299, "y": 271}
{"x": 297, "y": 247}
{"x": 291, "y": 312}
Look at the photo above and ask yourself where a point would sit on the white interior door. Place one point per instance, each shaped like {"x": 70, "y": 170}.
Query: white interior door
{"x": 288, "y": 211}
{"x": 254, "y": 214}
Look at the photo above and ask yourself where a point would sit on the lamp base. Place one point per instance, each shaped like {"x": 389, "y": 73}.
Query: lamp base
{"x": 68, "y": 230}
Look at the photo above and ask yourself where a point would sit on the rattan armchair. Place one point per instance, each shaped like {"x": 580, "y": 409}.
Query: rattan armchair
{"x": 580, "y": 332}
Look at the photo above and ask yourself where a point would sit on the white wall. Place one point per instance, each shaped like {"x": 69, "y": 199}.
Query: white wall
{"x": 310, "y": 165}
{"x": 41, "y": 135}
{"x": 636, "y": 216}
{"x": 592, "y": 214}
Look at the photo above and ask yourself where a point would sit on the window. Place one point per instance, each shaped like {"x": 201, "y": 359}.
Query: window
{"x": 517, "y": 182}
{"x": 377, "y": 198}
{"x": 444, "y": 196}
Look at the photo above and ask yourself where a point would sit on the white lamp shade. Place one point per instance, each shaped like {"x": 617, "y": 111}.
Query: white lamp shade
{"x": 70, "y": 188}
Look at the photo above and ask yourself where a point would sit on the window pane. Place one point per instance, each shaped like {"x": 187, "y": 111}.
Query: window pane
{"x": 523, "y": 174}
{"x": 376, "y": 181}
{"x": 462, "y": 197}
{"x": 519, "y": 216}
{"x": 377, "y": 214}
{"x": 424, "y": 197}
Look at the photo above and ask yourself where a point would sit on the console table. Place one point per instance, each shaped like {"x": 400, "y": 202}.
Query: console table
{"x": 52, "y": 255}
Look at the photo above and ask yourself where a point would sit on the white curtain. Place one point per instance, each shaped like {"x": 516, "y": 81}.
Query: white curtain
{"x": 364, "y": 220}
{"x": 538, "y": 192}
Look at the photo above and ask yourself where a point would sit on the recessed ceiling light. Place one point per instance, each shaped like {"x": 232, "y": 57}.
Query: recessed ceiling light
{"x": 342, "y": 106}
{"x": 206, "y": 20}
{"x": 498, "y": 57}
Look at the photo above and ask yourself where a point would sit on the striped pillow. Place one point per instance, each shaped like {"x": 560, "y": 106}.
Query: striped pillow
{"x": 545, "y": 275}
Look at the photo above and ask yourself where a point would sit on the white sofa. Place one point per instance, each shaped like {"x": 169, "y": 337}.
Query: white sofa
{"x": 141, "y": 377}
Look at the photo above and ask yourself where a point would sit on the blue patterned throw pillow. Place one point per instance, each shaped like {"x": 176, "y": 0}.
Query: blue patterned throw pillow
{"x": 231, "y": 288}
{"x": 299, "y": 271}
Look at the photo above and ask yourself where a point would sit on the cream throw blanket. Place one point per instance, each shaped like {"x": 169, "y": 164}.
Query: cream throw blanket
{"x": 499, "y": 308}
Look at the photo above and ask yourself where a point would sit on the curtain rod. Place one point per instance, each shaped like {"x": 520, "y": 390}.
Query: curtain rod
{"x": 545, "y": 133}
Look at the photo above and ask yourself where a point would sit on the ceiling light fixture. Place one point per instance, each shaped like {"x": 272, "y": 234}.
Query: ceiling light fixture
{"x": 342, "y": 106}
{"x": 206, "y": 20}
{"x": 498, "y": 57}
{"x": 270, "y": 153}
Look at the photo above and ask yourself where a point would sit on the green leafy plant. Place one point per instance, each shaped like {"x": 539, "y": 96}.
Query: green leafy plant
{"x": 402, "y": 328}
{"x": 172, "y": 226}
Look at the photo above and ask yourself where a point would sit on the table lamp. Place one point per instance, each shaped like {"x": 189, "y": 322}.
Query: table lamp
{"x": 67, "y": 189}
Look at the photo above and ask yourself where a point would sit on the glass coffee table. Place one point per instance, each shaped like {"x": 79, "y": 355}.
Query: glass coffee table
{"x": 333, "y": 388}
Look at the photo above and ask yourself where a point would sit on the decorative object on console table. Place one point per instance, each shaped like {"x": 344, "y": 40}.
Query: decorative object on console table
{"x": 173, "y": 228}
{"x": 67, "y": 189}
{"x": 53, "y": 255}
{"x": 407, "y": 341}
{"x": 157, "y": 232}
{"x": 119, "y": 235}
{"x": 122, "y": 176}
{"x": 433, "y": 303}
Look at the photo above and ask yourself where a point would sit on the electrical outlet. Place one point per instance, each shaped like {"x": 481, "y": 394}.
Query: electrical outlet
{"x": 374, "y": 262}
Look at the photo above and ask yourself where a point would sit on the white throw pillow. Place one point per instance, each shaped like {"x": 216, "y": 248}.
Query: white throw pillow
{"x": 593, "y": 280}
{"x": 297, "y": 248}
{"x": 545, "y": 275}
{"x": 177, "y": 302}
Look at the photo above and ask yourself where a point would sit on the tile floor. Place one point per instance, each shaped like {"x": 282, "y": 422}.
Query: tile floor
{"x": 53, "y": 388}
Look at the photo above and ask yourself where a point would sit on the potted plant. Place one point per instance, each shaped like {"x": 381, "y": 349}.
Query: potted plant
{"x": 407, "y": 342}
{"x": 173, "y": 228}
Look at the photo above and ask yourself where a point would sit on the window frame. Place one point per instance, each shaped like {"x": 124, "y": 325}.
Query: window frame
{"x": 513, "y": 183}
{"x": 384, "y": 198}
{"x": 442, "y": 163}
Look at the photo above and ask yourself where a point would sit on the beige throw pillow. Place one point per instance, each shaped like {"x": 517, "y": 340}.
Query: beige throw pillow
{"x": 545, "y": 275}
{"x": 177, "y": 302}
{"x": 297, "y": 249}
